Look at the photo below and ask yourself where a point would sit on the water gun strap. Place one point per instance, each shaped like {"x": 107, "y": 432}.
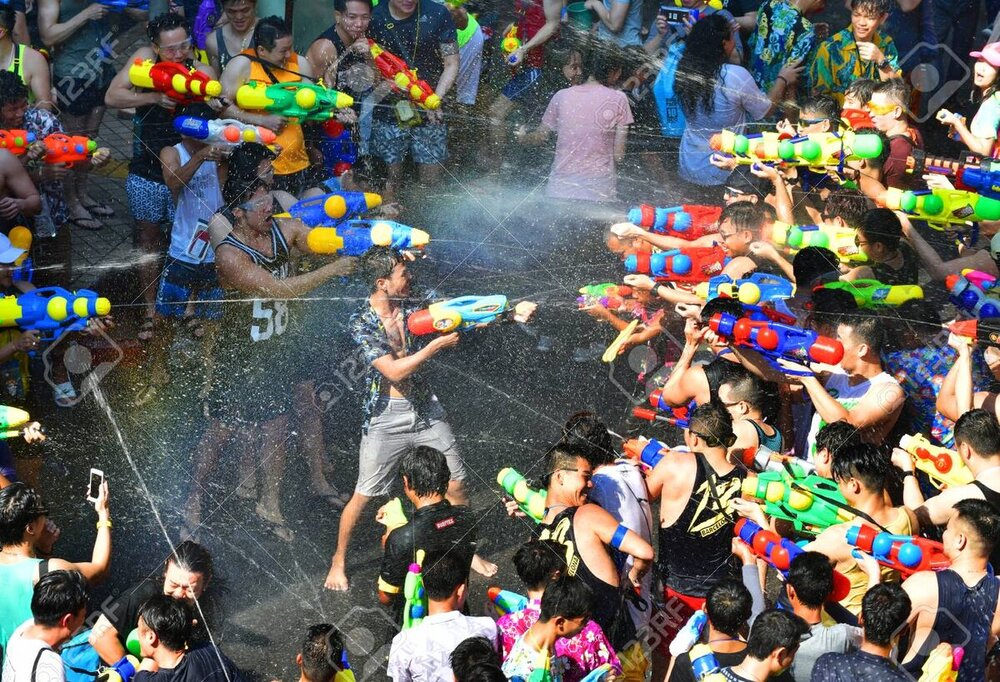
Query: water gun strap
{"x": 841, "y": 505}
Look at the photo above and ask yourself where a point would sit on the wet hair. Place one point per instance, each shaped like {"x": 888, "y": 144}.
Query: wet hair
{"x": 245, "y": 160}
{"x": 773, "y": 630}
{"x": 897, "y": 92}
{"x": 426, "y": 471}
{"x": 742, "y": 181}
{"x": 728, "y": 605}
{"x": 19, "y": 506}
{"x": 813, "y": 262}
{"x": 473, "y": 652}
{"x": 872, "y": 8}
{"x": 341, "y": 5}
{"x": 748, "y": 388}
{"x": 836, "y": 436}
{"x": 979, "y": 430}
{"x": 885, "y": 608}
{"x": 826, "y": 107}
{"x": 238, "y": 190}
{"x": 163, "y": 23}
{"x": 700, "y": 66}
{"x": 378, "y": 263}
{"x": 56, "y": 594}
{"x": 588, "y": 435}
{"x": 601, "y": 62}
{"x": 811, "y": 574}
{"x": 721, "y": 304}
{"x": 443, "y": 574}
{"x": 882, "y": 226}
{"x": 322, "y": 653}
{"x": 867, "y": 328}
{"x": 537, "y": 560}
{"x": 169, "y": 618}
{"x": 850, "y": 205}
{"x": 201, "y": 110}
{"x": 12, "y": 89}
{"x": 483, "y": 672}
{"x": 193, "y": 558}
{"x": 862, "y": 89}
{"x": 269, "y": 31}
{"x": 862, "y": 461}
{"x": 744, "y": 215}
{"x": 559, "y": 457}
{"x": 712, "y": 423}
{"x": 829, "y": 305}
{"x": 982, "y": 518}
{"x": 568, "y": 597}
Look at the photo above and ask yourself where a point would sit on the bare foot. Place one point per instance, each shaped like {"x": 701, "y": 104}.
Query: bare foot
{"x": 336, "y": 579}
{"x": 485, "y": 568}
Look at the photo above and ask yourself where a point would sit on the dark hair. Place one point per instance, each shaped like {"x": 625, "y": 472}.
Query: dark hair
{"x": 700, "y": 67}
{"x": 979, "y": 430}
{"x": 341, "y": 5}
{"x": 713, "y": 424}
{"x": 19, "y": 506}
{"x": 836, "y": 436}
{"x": 322, "y": 653}
{"x": 721, "y": 304}
{"x": 443, "y": 574}
{"x": 982, "y": 518}
{"x": 426, "y": 471}
{"x": 473, "y": 652}
{"x": 484, "y": 672}
{"x": 744, "y": 215}
{"x": 741, "y": 180}
{"x": 813, "y": 262}
{"x": 601, "y": 62}
{"x": 201, "y": 110}
{"x": 867, "y": 328}
{"x": 537, "y": 560}
{"x": 811, "y": 574}
{"x": 378, "y": 263}
{"x": 872, "y": 8}
{"x": 882, "y": 226}
{"x": 862, "y": 88}
{"x": 7, "y": 17}
{"x": 169, "y": 618}
{"x": 193, "y": 558}
{"x": 56, "y": 594}
{"x": 568, "y": 597}
{"x": 850, "y": 205}
{"x": 163, "y": 23}
{"x": 229, "y": 2}
{"x": 885, "y": 608}
{"x": 897, "y": 91}
{"x": 12, "y": 89}
{"x": 826, "y": 107}
{"x": 728, "y": 605}
{"x": 748, "y": 388}
{"x": 239, "y": 189}
{"x": 244, "y": 160}
{"x": 559, "y": 457}
{"x": 863, "y": 461}
{"x": 269, "y": 31}
{"x": 773, "y": 630}
{"x": 829, "y": 305}
{"x": 588, "y": 435}
{"x": 918, "y": 316}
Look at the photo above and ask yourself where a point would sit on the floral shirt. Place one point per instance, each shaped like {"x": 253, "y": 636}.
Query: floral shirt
{"x": 369, "y": 334}
{"x": 921, "y": 373}
{"x": 43, "y": 123}
{"x": 837, "y": 63}
{"x": 575, "y": 657}
{"x": 783, "y": 34}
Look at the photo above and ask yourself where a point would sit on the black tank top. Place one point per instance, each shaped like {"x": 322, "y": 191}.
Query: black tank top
{"x": 696, "y": 550}
{"x": 355, "y": 76}
{"x": 153, "y": 129}
{"x": 224, "y": 56}
{"x": 992, "y": 498}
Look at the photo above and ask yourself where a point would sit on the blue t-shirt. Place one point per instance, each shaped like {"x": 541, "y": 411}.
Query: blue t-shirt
{"x": 631, "y": 31}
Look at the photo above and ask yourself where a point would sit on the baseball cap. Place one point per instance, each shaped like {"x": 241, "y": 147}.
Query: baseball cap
{"x": 990, "y": 53}
{"x": 8, "y": 252}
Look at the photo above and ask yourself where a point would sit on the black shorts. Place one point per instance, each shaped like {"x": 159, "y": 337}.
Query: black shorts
{"x": 78, "y": 96}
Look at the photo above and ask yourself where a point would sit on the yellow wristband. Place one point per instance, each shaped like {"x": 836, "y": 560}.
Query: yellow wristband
{"x": 103, "y": 524}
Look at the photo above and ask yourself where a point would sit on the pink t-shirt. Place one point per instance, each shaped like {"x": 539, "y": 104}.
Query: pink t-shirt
{"x": 584, "y": 118}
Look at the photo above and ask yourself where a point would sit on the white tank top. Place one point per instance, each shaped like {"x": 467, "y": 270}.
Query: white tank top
{"x": 197, "y": 203}
{"x": 841, "y": 390}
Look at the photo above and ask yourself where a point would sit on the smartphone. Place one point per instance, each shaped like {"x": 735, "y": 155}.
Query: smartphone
{"x": 96, "y": 479}
{"x": 677, "y": 15}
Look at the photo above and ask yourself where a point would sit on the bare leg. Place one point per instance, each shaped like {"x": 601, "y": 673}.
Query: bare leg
{"x": 148, "y": 237}
{"x": 76, "y": 182}
{"x": 430, "y": 174}
{"x": 311, "y": 439}
{"x": 336, "y": 579}
{"x": 269, "y": 507}
{"x": 205, "y": 457}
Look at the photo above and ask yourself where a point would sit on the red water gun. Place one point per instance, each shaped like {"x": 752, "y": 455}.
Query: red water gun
{"x": 16, "y": 141}
{"x": 60, "y": 148}
{"x": 690, "y": 265}
{"x": 178, "y": 82}
{"x": 664, "y": 412}
{"x": 688, "y": 221}
{"x": 778, "y": 341}
{"x": 403, "y": 77}
{"x": 904, "y": 553}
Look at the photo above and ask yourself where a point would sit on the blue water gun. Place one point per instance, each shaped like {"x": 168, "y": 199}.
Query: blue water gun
{"x": 120, "y": 6}
{"x": 462, "y": 313}
{"x": 776, "y": 341}
{"x": 52, "y": 310}
{"x": 329, "y": 209}
{"x": 355, "y": 237}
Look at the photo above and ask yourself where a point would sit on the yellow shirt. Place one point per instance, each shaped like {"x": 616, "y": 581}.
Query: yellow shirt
{"x": 293, "y": 157}
{"x": 857, "y": 577}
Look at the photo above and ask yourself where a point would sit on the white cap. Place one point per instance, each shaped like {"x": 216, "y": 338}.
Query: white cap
{"x": 8, "y": 253}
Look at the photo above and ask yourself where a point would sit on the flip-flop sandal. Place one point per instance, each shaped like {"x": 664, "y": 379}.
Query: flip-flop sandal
{"x": 64, "y": 394}
{"x": 92, "y": 224}
{"x": 99, "y": 209}
{"x": 194, "y": 326}
{"x": 146, "y": 330}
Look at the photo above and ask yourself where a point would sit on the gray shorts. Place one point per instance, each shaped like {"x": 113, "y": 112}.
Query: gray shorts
{"x": 391, "y": 434}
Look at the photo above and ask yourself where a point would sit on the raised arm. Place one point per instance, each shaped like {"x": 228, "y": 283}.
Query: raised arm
{"x": 52, "y": 32}
{"x": 956, "y": 396}
{"x": 122, "y": 94}
{"x": 96, "y": 569}
{"x": 873, "y": 409}
{"x": 553, "y": 14}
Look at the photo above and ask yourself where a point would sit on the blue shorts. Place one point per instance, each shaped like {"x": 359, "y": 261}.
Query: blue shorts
{"x": 427, "y": 142}
{"x": 522, "y": 83}
{"x": 182, "y": 282}
{"x": 148, "y": 201}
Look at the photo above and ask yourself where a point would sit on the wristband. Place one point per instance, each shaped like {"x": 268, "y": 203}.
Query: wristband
{"x": 884, "y": 64}
{"x": 783, "y": 80}
{"x": 656, "y": 289}
{"x": 908, "y": 473}
{"x": 104, "y": 524}
{"x": 619, "y": 536}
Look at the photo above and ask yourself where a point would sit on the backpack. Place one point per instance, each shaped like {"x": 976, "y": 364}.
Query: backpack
{"x": 667, "y": 105}
{"x": 80, "y": 659}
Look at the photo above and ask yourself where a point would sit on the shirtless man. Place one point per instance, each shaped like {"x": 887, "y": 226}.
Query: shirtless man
{"x": 236, "y": 33}
{"x": 18, "y": 196}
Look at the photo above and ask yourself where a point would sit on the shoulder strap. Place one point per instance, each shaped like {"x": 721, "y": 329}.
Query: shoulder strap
{"x": 38, "y": 658}
{"x": 267, "y": 66}
{"x": 43, "y": 568}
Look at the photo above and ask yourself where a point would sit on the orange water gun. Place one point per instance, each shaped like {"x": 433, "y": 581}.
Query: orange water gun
{"x": 60, "y": 148}
{"x": 16, "y": 141}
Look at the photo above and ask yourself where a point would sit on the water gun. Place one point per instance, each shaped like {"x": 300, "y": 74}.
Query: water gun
{"x": 971, "y": 330}
{"x": 338, "y": 148}
{"x": 122, "y": 671}
{"x": 609, "y": 295}
{"x": 968, "y": 292}
{"x": 413, "y": 590}
{"x": 506, "y": 601}
{"x": 542, "y": 670}
{"x": 780, "y": 552}
{"x": 943, "y": 207}
{"x": 13, "y": 417}
{"x": 393, "y": 516}
{"x": 20, "y": 237}
{"x": 943, "y": 467}
{"x": 856, "y": 118}
{"x": 182, "y": 84}
{"x": 704, "y": 664}
{"x": 904, "y": 553}
{"x": 355, "y": 237}
{"x": 815, "y": 149}
{"x": 456, "y": 314}
{"x": 812, "y": 504}
{"x": 345, "y": 674}
{"x": 302, "y": 101}
{"x": 120, "y": 6}
{"x": 758, "y": 287}
{"x": 688, "y": 221}
{"x": 840, "y": 240}
{"x": 16, "y": 141}
{"x": 689, "y": 635}
{"x": 510, "y": 42}
{"x": 691, "y": 265}
{"x": 531, "y": 501}
{"x": 763, "y": 458}
{"x": 403, "y": 77}
{"x": 336, "y": 206}
{"x": 973, "y": 175}
{"x": 646, "y": 453}
{"x": 662, "y": 411}
{"x": 777, "y": 341}
{"x": 870, "y": 293}
{"x": 226, "y": 131}
{"x": 942, "y": 664}
{"x": 598, "y": 674}
{"x": 61, "y": 148}
{"x": 52, "y": 310}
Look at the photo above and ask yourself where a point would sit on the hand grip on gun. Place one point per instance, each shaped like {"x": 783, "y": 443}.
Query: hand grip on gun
{"x": 356, "y": 237}
{"x": 399, "y": 73}
{"x": 531, "y": 502}
{"x": 905, "y": 553}
{"x": 943, "y": 467}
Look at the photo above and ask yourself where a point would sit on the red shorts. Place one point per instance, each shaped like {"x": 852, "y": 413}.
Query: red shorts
{"x": 666, "y": 623}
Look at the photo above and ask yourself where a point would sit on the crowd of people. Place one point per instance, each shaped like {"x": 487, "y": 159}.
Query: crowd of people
{"x": 801, "y": 533}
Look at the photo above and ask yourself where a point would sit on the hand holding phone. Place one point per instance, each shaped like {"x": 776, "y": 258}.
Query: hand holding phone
{"x": 94, "y": 489}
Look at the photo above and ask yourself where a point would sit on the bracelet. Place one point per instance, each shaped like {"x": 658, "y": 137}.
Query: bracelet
{"x": 908, "y": 473}
{"x": 104, "y": 524}
{"x": 656, "y": 289}
{"x": 783, "y": 80}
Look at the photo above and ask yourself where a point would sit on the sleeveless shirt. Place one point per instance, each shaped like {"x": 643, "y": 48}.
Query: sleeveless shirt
{"x": 196, "y": 204}
{"x": 153, "y": 129}
{"x": 224, "y": 56}
{"x": 293, "y": 157}
{"x": 17, "y": 584}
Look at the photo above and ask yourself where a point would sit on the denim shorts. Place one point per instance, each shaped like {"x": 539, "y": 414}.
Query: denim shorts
{"x": 182, "y": 282}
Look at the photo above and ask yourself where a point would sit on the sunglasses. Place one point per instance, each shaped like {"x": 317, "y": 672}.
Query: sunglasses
{"x": 881, "y": 110}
